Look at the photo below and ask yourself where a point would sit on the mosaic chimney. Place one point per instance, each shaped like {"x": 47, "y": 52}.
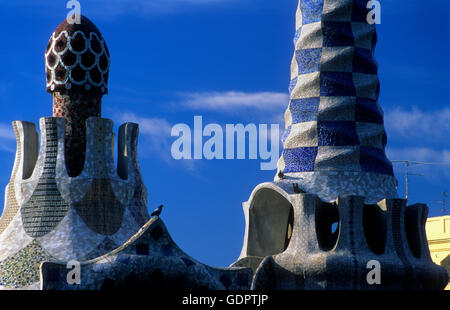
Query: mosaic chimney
{"x": 334, "y": 143}
{"x": 77, "y": 69}
{"x": 332, "y": 209}
{"x": 67, "y": 199}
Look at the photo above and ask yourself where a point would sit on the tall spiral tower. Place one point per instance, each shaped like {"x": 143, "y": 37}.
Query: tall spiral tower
{"x": 334, "y": 143}
{"x": 332, "y": 209}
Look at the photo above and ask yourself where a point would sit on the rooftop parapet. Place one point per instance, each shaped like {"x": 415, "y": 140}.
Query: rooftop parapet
{"x": 42, "y": 179}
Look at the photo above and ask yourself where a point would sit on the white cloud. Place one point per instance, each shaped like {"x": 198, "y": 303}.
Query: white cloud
{"x": 157, "y": 138}
{"x": 424, "y": 134}
{"x": 233, "y": 100}
{"x": 7, "y": 148}
{"x": 148, "y": 126}
{"x": 156, "y": 132}
{"x": 414, "y": 124}
{"x": 420, "y": 154}
{"x": 7, "y": 138}
{"x": 6, "y": 132}
{"x": 440, "y": 160}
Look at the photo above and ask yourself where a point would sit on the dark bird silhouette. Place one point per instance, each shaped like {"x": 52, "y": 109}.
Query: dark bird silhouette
{"x": 281, "y": 175}
{"x": 157, "y": 211}
{"x": 297, "y": 190}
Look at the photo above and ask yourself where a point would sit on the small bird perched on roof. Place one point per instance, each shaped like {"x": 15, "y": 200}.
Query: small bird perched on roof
{"x": 157, "y": 211}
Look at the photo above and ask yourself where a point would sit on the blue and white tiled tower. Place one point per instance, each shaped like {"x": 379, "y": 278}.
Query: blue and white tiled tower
{"x": 335, "y": 140}
{"x": 333, "y": 207}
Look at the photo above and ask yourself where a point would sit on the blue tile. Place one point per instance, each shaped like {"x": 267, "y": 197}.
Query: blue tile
{"x": 286, "y": 134}
{"x": 123, "y": 259}
{"x": 337, "y": 84}
{"x": 367, "y": 111}
{"x": 308, "y": 60}
{"x": 311, "y": 11}
{"x": 337, "y": 34}
{"x": 167, "y": 250}
{"x": 98, "y": 267}
{"x": 364, "y": 62}
{"x": 292, "y": 84}
{"x": 375, "y": 160}
{"x": 304, "y": 110}
{"x": 337, "y": 134}
{"x": 300, "y": 159}
{"x": 297, "y": 35}
{"x": 187, "y": 262}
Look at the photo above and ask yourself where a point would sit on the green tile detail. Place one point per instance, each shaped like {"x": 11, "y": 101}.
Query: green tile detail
{"x": 22, "y": 268}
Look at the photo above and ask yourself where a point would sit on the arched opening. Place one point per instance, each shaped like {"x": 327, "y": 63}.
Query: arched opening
{"x": 374, "y": 226}
{"x": 30, "y": 148}
{"x": 123, "y": 153}
{"x": 271, "y": 220}
{"x": 327, "y": 226}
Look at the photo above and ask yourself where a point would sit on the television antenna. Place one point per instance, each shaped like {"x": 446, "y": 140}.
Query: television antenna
{"x": 408, "y": 164}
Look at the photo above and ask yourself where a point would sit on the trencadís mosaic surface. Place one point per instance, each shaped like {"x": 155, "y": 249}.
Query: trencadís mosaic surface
{"x": 67, "y": 199}
{"x": 335, "y": 140}
{"x": 52, "y": 216}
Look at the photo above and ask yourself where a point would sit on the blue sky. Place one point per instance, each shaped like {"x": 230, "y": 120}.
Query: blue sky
{"x": 228, "y": 61}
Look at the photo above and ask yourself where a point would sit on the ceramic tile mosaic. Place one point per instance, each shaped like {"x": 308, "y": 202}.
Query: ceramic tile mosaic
{"x": 334, "y": 171}
{"x": 74, "y": 215}
{"x": 46, "y": 208}
{"x": 106, "y": 246}
{"x": 22, "y": 269}
{"x": 139, "y": 209}
{"x": 149, "y": 259}
{"x": 77, "y": 59}
{"x": 76, "y": 108}
{"x": 11, "y": 205}
{"x": 129, "y": 225}
{"x": 72, "y": 239}
{"x": 317, "y": 259}
{"x": 13, "y": 238}
{"x": 25, "y": 187}
{"x": 334, "y": 121}
{"x": 100, "y": 210}
{"x": 69, "y": 200}
{"x": 328, "y": 185}
{"x": 77, "y": 68}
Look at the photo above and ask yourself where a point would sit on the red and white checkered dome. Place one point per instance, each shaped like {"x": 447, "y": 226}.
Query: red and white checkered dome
{"x": 77, "y": 59}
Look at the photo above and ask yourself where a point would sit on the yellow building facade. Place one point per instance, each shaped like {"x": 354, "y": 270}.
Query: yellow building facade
{"x": 438, "y": 235}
